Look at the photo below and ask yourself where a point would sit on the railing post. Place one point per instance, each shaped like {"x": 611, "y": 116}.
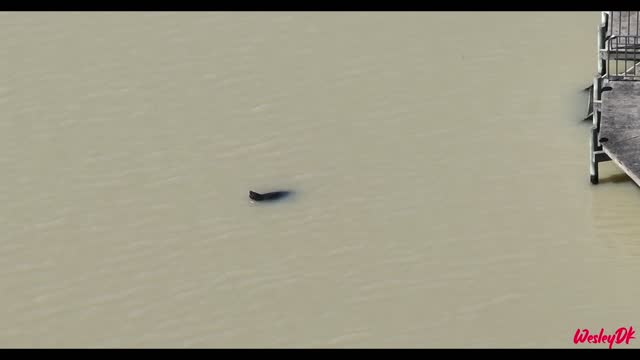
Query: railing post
{"x": 593, "y": 169}
{"x": 604, "y": 18}
{"x": 602, "y": 33}
{"x": 597, "y": 85}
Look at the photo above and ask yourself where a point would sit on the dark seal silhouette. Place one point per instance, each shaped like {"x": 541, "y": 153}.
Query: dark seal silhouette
{"x": 270, "y": 196}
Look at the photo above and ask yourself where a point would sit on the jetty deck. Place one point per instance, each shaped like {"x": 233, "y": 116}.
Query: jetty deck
{"x": 615, "y": 102}
{"x": 620, "y": 125}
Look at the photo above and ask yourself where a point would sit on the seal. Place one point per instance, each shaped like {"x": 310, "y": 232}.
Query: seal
{"x": 274, "y": 195}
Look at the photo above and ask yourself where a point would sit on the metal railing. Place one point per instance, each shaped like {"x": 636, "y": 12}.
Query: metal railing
{"x": 623, "y": 57}
{"x": 624, "y": 23}
{"x": 623, "y": 45}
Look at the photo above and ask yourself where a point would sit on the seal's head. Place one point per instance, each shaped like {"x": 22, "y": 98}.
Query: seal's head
{"x": 255, "y": 196}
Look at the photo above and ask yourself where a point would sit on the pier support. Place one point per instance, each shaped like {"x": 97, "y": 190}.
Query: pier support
{"x": 597, "y": 156}
{"x": 593, "y": 170}
{"x": 596, "y": 152}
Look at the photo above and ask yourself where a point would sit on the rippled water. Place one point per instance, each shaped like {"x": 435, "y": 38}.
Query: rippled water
{"x": 438, "y": 160}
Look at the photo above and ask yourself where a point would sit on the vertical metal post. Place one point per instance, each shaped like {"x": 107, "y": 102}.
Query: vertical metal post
{"x": 595, "y": 129}
{"x": 602, "y": 33}
{"x": 606, "y": 22}
{"x": 593, "y": 170}
{"x": 597, "y": 97}
{"x": 600, "y": 47}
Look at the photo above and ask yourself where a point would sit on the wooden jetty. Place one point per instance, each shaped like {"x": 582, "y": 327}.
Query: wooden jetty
{"x": 614, "y": 104}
